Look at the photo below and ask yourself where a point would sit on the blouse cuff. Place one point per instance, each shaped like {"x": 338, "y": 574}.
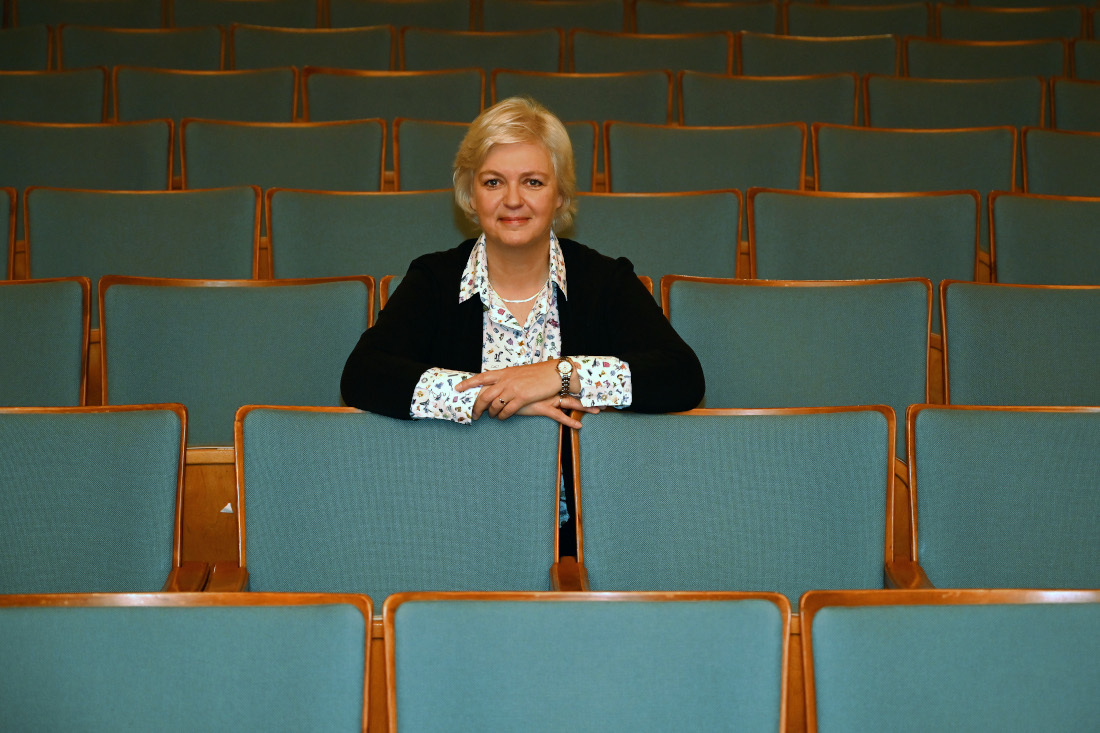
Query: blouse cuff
{"x": 604, "y": 381}
{"x": 435, "y": 396}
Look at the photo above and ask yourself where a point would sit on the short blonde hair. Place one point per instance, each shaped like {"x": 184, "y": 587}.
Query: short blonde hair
{"x": 517, "y": 120}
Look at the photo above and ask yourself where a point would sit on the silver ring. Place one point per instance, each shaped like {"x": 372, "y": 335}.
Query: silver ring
{"x": 503, "y": 401}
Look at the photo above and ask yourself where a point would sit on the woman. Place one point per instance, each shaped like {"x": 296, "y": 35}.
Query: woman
{"x": 482, "y": 329}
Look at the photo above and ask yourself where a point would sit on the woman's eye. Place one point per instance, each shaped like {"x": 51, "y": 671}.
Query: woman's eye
{"x": 534, "y": 183}
{"x": 490, "y": 183}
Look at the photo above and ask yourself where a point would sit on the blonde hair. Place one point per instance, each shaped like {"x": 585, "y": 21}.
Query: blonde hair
{"x": 517, "y": 120}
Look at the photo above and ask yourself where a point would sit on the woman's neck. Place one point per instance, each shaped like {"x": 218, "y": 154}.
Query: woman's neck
{"x": 517, "y": 273}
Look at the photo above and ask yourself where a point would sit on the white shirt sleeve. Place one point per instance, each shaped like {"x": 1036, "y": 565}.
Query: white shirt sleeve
{"x": 435, "y": 396}
{"x": 604, "y": 381}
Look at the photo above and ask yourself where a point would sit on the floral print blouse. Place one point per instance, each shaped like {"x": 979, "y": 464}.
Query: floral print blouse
{"x": 604, "y": 381}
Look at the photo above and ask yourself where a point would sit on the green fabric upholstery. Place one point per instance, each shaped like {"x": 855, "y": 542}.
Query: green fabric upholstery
{"x": 588, "y": 665}
{"x": 1045, "y": 241}
{"x": 125, "y": 157}
{"x": 26, "y": 48}
{"x": 901, "y": 19}
{"x": 765, "y": 54}
{"x": 217, "y": 348}
{"x": 1012, "y": 668}
{"x": 1005, "y": 498}
{"x": 89, "y": 501}
{"x": 424, "y": 49}
{"x": 357, "y": 502}
{"x": 199, "y": 49}
{"x": 685, "y": 234}
{"x": 260, "y": 47}
{"x": 42, "y": 358}
{"x": 949, "y": 103}
{"x": 106, "y": 13}
{"x": 1086, "y": 57}
{"x": 241, "y": 667}
{"x": 1061, "y": 163}
{"x": 1022, "y": 346}
{"x": 1076, "y": 104}
{"x": 806, "y": 345}
{"x": 602, "y": 52}
{"x": 512, "y": 15}
{"x": 871, "y": 159}
{"x": 763, "y": 502}
{"x": 659, "y": 16}
{"x": 280, "y": 13}
{"x": 813, "y": 236}
{"x": 194, "y": 234}
{"x": 1017, "y": 24}
{"x": 935, "y": 59}
{"x": 54, "y": 96}
{"x": 450, "y": 14}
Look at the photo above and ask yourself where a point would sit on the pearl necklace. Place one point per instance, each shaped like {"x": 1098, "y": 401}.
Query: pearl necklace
{"x": 525, "y": 300}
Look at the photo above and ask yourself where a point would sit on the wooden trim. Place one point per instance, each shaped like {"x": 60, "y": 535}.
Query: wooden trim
{"x": 12, "y": 196}
{"x": 596, "y": 75}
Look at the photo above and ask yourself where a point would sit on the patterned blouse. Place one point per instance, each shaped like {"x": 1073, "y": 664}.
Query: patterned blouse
{"x": 604, "y": 381}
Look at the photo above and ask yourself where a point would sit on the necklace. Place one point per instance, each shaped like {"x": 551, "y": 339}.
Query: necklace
{"x": 525, "y": 300}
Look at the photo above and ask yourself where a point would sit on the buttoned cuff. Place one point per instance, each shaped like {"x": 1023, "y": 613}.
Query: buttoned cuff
{"x": 435, "y": 396}
{"x": 604, "y": 381}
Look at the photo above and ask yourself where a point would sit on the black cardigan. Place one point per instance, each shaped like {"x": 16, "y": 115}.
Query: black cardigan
{"x": 608, "y": 313}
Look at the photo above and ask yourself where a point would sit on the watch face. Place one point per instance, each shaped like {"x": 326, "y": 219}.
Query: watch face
{"x": 564, "y": 367}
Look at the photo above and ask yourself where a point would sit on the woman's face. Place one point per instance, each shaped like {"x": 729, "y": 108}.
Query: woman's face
{"x": 516, "y": 195}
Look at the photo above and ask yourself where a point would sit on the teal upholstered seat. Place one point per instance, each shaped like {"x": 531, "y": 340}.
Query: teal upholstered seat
{"x": 687, "y": 233}
{"x": 107, "y": 13}
{"x": 899, "y": 19}
{"x": 1075, "y": 104}
{"x": 1086, "y": 57}
{"x": 765, "y": 54}
{"x": 1021, "y": 344}
{"x": 424, "y": 49}
{"x": 166, "y": 662}
{"x": 260, "y": 47}
{"x": 200, "y": 234}
{"x": 54, "y": 96}
{"x": 805, "y": 235}
{"x": 659, "y": 16}
{"x": 1010, "y": 24}
{"x": 776, "y": 501}
{"x": 1002, "y": 497}
{"x": 714, "y": 99}
{"x": 217, "y": 345}
{"x": 982, "y": 660}
{"x": 511, "y": 15}
{"x": 950, "y": 59}
{"x": 449, "y": 14}
{"x": 641, "y": 662}
{"x": 893, "y": 101}
{"x": 44, "y": 337}
{"x": 352, "y": 501}
{"x": 604, "y": 51}
{"x": 282, "y": 13}
{"x": 90, "y": 499}
{"x": 1060, "y": 162}
{"x": 1044, "y": 240}
{"x": 26, "y": 48}
{"x": 122, "y": 156}
{"x": 198, "y": 49}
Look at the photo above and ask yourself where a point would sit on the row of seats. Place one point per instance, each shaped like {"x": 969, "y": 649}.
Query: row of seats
{"x": 536, "y": 661}
{"x": 781, "y": 500}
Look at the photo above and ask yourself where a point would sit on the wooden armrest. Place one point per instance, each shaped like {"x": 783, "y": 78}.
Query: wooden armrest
{"x": 190, "y": 576}
{"x": 904, "y": 573}
{"x": 227, "y": 577}
{"x": 568, "y": 574}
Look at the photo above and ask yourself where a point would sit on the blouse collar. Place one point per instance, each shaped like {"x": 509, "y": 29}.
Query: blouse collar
{"x": 475, "y": 278}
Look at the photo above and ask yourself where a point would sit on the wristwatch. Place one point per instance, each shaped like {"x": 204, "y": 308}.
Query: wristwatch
{"x": 565, "y": 370}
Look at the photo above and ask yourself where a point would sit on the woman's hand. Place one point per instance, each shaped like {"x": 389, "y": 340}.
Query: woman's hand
{"x": 531, "y": 389}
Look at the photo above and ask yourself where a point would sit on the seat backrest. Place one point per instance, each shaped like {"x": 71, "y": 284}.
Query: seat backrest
{"x": 974, "y": 660}
{"x": 261, "y": 47}
{"x": 45, "y": 341}
{"x": 1021, "y": 344}
{"x": 998, "y": 496}
{"x": 424, "y": 49}
{"x": 763, "y": 500}
{"x": 199, "y": 49}
{"x": 92, "y": 498}
{"x": 106, "y": 13}
{"x": 449, "y": 14}
{"x": 211, "y": 233}
{"x": 949, "y": 59}
{"x": 763, "y": 54}
{"x": 813, "y": 235}
{"x": 658, "y": 16}
{"x": 280, "y": 13}
{"x": 713, "y": 99}
{"x": 606, "y": 52}
{"x": 215, "y": 345}
{"x": 1060, "y": 162}
{"x": 900, "y": 19}
{"x": 1009, "y": 24}
{"x": 1075, "y": 104}
{"x": 266, "y": 661}
{"x": 390, "y": 503}
{"x": 54, "y": 96}
{"x": 894, "y": 101}
{"x": 1086, "y": 56}
{"x": 718, "y": 658}
{"x": 26, "y": 48}
{"x": 786, "y": 343}
{"x": 511, "y": 15}
{"x": 1044, "y": 240}
{"x": 689, "y": 233}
